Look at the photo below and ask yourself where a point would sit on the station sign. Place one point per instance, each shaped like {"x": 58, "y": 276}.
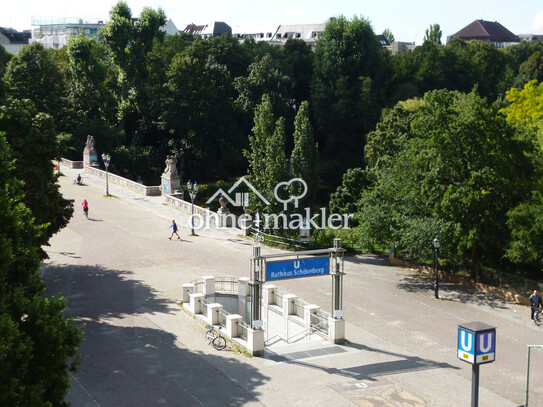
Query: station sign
{"x": 476, "y": 343}
{"x": 288, "y": 269}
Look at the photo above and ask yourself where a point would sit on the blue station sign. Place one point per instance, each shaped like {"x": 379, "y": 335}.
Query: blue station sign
{"x": 476, "y": 343}
{"x": 283, "y": 270}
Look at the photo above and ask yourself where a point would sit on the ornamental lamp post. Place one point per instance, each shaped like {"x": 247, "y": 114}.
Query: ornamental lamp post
{"x": 437, "y": 244}
{"x": 193, "y": 191}
{"x": 107, "y": 159}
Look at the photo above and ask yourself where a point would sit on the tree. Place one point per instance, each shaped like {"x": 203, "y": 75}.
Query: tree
{"x": 264, "y": 77}
{"x": 298, "y": 59}
{"x": 263, "y": 128}
{"x": 388, "y": 34}
{"x": 346, "y": 197}
{"x": 433, "y": 34}
{"x": 199, "y": 108}
{"x": 36, "y": 342}
{"x": 457, "y": 172}
{"x": 33, "y": 75}
{"x": 33, "y": 143}
{"x": 346, "y": 96}
{"x": 532, "y": 69}
{"x": 276, "y": 164}
{"x": 305, "y": 155}
{"x": 525, "y": 108}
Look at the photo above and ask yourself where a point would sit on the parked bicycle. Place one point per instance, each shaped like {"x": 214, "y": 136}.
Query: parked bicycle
{"x": 214, "y": 337}
{"x": 538, "y": 317}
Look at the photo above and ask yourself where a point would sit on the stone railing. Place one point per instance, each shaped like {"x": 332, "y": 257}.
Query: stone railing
{"x": 71, "y": 164}
{"x": 206, "y": 214}
{"x": 133, "y": 186}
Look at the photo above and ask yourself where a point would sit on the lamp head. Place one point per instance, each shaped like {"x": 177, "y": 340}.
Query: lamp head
{"x": 437, "y": 242}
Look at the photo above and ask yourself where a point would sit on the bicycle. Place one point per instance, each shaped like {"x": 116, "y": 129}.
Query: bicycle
{"x": 215, "y": 338}
{"x": 538, "y": 317}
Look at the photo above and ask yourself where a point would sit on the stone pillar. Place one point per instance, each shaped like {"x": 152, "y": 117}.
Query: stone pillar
{"x": 232, "y": 321}
{"x": 243, "y": 292}
{"x": 288, "y": 309}
{"x": 213, "y": 313}
{"x": 189, "y": 287}
{"x": 90, "y": 157}
{"x": 194, "y": 302}
{"x": 308, "y": 311}
{"x": 208, "y": 286}
{"x": 336, "y": 330}
{"x": 255, "y": 341}
{"x": 171, "y": 182}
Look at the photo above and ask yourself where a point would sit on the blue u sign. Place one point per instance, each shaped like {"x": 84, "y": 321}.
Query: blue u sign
{"x": 476, "y": 343}
{"x": 281, "y": 270}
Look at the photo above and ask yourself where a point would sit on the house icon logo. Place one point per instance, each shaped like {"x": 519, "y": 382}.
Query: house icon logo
{"x": 240, "y": 198}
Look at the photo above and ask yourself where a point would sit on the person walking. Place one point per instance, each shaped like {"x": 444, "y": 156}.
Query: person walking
{"x": 535, "y": 302}
{"x": 174, "y": 230}
{"x": 85, "y": 208}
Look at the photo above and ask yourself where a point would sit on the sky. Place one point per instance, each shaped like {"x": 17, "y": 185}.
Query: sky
{"x": 407, "y": 20}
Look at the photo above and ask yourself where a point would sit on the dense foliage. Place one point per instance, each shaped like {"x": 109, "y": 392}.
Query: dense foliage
{"x": 144, "y": 95}
{"x": 36, "y": 341}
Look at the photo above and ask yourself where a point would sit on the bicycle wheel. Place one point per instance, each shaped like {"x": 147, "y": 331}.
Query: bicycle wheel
{"x": 210, "y": 335}
{"x": 219, "y": 342}
{"x": 538, "y": 318}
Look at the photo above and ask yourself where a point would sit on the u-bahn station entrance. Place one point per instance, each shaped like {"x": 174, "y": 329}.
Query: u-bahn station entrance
{"x": 254, "y": 312}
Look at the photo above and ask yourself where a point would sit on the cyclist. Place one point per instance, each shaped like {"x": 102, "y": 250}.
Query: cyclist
{"x": 85, "y": 208}
{"x": 535, "y": 302}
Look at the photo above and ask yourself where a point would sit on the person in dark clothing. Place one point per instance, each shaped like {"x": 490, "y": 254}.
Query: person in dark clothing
{"x": 535, "y": 302}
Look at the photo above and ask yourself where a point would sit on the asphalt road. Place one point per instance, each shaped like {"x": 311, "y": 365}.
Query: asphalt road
{"x": 122, "y": 278}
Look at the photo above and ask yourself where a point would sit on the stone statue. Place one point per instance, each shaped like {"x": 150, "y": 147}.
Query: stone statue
{"x": 171, "y": 166}
{"x": 90, "y": 157}
{"x": 90, "y": 146}
{"x": 223, "y": 202}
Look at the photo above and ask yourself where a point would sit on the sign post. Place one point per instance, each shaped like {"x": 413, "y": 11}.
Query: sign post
{"x": 477, "y": 346}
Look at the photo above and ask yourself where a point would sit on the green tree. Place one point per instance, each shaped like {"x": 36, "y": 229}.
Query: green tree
{"x": 33, "y": 143}
{"x": 298, "y": 59}
{"x": 433, "y": 34}
{"x": 263, "y": 132}
{"x": 5, "y": 57}
{"x": 532, "y": 69}
{"x": 525, "y": 108}
{"x": 199, "y": 109}
{"x": 305, "y": 155}
{"x": 264, "y": 77}
{"x": 388, "y": 34}
{"x": 346, "y": 94}
{"x": 36, "y": 342}
{"x": 458, "y": 170}
{"x": 33, "y": 75}
{"x": 276, "y": 164}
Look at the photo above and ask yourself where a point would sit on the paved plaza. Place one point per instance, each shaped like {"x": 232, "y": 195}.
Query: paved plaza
{"x": 122, "y": 278}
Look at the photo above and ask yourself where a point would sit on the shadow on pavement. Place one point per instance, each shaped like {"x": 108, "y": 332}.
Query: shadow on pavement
{"x": 128, "y": 360}
{"x": 370, "y": 259}
{"x": 414, "y": 283}
{"x": 403, "y": 364}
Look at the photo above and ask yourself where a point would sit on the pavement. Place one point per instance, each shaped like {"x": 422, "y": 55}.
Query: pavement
{"x": 122, "y": 278}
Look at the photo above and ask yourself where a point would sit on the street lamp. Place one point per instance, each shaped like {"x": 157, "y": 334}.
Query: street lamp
{"x": 106, "y": 158}
{"x": 437, "y": 244}
{"x": 193, "y": 190}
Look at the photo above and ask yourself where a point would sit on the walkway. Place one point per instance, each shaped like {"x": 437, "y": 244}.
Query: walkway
{"x": 122, "y": 278}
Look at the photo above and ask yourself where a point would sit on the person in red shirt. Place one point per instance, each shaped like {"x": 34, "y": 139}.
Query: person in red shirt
{"x": 85, "y": 208}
